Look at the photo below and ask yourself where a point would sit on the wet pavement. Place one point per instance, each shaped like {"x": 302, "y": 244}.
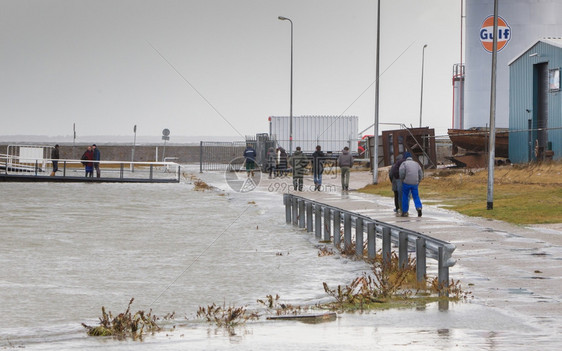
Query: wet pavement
{"x": 517, "y": 269}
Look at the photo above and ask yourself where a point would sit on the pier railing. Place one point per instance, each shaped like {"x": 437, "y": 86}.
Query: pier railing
{"x": 328, "y": 221}
{"x": 70, "y": 168}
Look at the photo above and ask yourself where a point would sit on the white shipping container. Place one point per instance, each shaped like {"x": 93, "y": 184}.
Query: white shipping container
{"x": 333, "y": 133}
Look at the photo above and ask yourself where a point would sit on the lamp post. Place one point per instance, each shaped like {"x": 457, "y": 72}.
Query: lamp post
{"x": 376, "y": 124}
{"x": 281, "y": 18}
{"x": 421, "y": 94}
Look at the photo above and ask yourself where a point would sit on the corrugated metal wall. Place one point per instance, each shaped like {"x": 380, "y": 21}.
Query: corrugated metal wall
{"x": 523, "y": 103}
{"x": 333, "y": 133}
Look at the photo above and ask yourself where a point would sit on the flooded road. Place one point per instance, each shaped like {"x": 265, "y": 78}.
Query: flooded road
{"x": 68, "y": 249}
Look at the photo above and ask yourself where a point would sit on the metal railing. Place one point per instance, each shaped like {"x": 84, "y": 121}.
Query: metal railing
{"x": 323, "y": 220}
{"x": 70, "y": 168}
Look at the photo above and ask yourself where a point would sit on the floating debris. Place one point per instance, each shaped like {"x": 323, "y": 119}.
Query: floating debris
{"x": 125, "y": 324}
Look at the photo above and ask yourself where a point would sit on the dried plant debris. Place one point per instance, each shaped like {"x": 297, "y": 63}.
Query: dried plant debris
{"x": 325, "y": 251}
{"x": 126, "y": 324}
{"x": 281, "y": 309}
{"x": 198, "y": 184}
{"x": 389, "y": 285}
{"x": 227, "y": 317}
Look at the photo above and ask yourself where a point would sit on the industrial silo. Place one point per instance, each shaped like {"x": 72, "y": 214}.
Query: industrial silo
{"x": 521, "y": 23}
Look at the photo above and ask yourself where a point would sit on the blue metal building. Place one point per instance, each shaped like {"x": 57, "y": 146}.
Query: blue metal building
{"x": 535, "y": 102}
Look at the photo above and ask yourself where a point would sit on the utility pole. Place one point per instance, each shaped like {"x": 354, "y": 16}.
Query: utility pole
{"x": 492, "y": 139}
{"x": 376, "y": 132}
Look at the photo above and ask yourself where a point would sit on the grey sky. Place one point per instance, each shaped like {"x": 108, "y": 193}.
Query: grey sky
{"x": 92, "y": 63}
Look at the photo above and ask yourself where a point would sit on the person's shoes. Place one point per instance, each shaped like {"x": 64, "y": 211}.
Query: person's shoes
{"x": 419, "y": 212}
{"x": 395, "y": 210}
{"x": 404, "y": 214}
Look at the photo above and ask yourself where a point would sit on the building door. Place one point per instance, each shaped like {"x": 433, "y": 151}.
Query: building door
{"x": 540, "y": 108}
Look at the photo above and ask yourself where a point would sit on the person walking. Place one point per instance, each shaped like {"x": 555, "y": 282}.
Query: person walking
{"x": 271, "y": 161}
{"x": 298, "y": 162}
{"x": 411, "y": 175}
{"x": 250, "y": 159}
{"x": 394, "y": 175}
{"x": 318, "y": 167}
{"x": 87, "y": 157}
{"x": 97, "y": 157}
{"x": 55, "y": 155}
{"x": 281, "y": 162}
{"x": 345, "y": 161}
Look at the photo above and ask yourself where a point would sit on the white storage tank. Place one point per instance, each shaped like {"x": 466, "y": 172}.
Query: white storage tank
{"x": 521, "y": 23}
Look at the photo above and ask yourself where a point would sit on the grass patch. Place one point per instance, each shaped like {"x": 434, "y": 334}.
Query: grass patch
{"x": 523, "y": 194}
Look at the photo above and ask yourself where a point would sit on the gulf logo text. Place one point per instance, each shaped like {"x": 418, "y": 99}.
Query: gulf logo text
{"x": 487, "y": 33}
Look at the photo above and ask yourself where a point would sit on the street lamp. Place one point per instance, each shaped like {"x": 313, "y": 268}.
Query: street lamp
{"x": 281, "y": 18}
{"x": 421, "y": 94}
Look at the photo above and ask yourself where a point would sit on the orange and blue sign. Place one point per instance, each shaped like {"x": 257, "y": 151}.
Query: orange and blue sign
{"x": 487, "y": 36}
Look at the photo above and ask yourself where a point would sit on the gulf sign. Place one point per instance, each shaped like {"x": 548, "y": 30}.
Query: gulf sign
{"x": 487, "y": 33}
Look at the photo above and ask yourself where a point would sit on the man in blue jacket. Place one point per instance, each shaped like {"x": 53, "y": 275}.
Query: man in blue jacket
{"x": 411, "y": 175}
{"x": 250, "y": 158}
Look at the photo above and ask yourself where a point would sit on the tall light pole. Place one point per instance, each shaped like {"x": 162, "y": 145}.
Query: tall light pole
{"x": 376, "y": 124}
{"x": 421, "y": 94}
{"x": 281, "y": 18}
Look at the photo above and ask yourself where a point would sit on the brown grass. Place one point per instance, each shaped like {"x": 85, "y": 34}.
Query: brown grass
{"x": 522, "y": 194}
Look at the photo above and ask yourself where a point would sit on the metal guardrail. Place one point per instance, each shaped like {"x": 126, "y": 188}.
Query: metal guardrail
{"x": 324, "y": 219}
{"x": 69, "y": 168}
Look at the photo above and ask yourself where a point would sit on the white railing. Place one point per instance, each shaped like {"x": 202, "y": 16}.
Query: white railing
{"x": 70, "y": 168}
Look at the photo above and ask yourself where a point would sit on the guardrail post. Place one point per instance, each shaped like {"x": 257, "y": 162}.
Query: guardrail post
{"x": 151, "y": 172}
{"x": 327, "y": 226}
{"x": 346, "y": 231}
{"x": 443, "y": 273}
{"x": 403, "y": 249}
{"x": 309, "y": 223}
{"x": 337, "y": 228}
{"x": 420, "y": 259}
{"x": 287, "y": 200}
{"x": 301, "y": 213}
{"x": 295, "y": 209}
{"x": 317, "y": 220}
{"x": 179, "y": 173}
{"x": 36, "y": 167}
{"x": 371, "y": 240}
{"x": 64, "y": 169}
{"x": 359, "y": 237}
{"x": 386, "y": 255}
{"x": 121, "y": 171}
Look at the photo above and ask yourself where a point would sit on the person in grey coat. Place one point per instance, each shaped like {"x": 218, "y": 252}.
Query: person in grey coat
{"x": 411, "y": 175}
{"x": 345, "y": 161}
{"x": 298, "y": 162}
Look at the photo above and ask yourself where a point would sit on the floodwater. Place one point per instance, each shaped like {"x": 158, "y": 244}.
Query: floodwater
{"x": 66, "y": 250}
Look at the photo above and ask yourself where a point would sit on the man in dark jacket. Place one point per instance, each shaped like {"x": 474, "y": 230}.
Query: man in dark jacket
{"x": 55, "y": 155}
{"x": 318, "y": 167}
{"x": 298, "y": 162}
{"x": 97, "y": 157}
{"x": 250, "y": 158}
{"x": 394, "y": 175}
